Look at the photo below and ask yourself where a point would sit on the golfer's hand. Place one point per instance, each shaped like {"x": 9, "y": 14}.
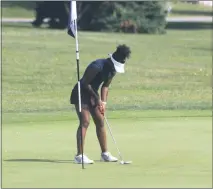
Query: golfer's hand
{"x": 102, "y": 107}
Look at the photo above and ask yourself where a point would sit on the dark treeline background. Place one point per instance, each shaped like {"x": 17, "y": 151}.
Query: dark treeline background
{"x": 127, "y": 16}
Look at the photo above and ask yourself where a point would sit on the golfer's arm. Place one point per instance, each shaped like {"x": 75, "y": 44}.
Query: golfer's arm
{"x": 89, "y": 75}
{"x": 104, "y": 93}
{"x": 104, "y": 90}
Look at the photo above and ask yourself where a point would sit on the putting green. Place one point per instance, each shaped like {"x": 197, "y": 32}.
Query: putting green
{"x": 166, "y": 151}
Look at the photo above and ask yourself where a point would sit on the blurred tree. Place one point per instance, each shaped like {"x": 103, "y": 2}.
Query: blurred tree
{"x": 127, "y": 16}
{"x": 56, "y": 11}
{"x": 142, "y": 17}
{"x": 86, "y": 12}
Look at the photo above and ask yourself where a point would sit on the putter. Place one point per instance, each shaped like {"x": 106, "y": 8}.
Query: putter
{"x": 119, "y": 153}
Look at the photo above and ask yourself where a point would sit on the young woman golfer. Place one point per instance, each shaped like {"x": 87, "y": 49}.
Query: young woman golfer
{"x": 99, "y": 73}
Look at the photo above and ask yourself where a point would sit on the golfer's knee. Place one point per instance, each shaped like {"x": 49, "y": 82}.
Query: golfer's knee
{"x": 85, "y": 124}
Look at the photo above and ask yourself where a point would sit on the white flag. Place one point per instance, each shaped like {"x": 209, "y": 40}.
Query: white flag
{"x": 72, "y": 19}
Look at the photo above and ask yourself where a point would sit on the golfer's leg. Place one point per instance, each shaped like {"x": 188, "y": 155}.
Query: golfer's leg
{"x": 84, "y": 119}
{"x": 100, "y": 129}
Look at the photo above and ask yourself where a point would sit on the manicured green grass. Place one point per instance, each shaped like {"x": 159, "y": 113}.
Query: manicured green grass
{"x": 166, "y": 152}
{"x": 191, "y": 7}
{"x": 18, "y": 9}
{"x": 17, "y": 12}
{"x": 170, "y": 71}
{"x": 159, "y": 110}
{"x": 187, "y": 9}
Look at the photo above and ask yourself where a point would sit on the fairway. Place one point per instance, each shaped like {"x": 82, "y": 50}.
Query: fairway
{"x": 159, "y": 110}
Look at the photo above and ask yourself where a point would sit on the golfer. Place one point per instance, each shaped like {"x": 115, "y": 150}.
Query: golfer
{"x": 99, "y": 73}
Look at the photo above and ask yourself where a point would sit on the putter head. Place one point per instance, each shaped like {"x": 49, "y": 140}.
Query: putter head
{"x": 125, "y": 162}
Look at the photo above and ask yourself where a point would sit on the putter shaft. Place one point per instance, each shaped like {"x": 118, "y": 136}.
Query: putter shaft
{"x": 119, "y": 153}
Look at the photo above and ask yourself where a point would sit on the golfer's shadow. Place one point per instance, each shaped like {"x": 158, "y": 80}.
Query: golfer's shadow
{"x": 48, "y": 161}
{"x": 40, "y": 160}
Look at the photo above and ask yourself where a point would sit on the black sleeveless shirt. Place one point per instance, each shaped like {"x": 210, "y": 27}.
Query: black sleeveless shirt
{"x": 106, "y": 72}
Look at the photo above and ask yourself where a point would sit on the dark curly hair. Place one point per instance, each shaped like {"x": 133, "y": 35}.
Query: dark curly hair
{"x": 122, "y": 52}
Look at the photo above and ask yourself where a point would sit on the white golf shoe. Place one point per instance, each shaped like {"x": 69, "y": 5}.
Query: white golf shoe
{"x": 106, "y": 156}
{"x": 78, "y": 159}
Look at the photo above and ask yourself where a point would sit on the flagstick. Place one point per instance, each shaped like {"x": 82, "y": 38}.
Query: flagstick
{"x": 79, "y": 89}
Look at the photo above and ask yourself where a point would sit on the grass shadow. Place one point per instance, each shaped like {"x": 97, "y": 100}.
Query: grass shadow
{"x": 19, "y": 25}
{"x": 189, "y": 25}
{"x": 27, "y": 25}
{"x": 47, "y": 161}
{"x": 192, "y": 12}
{"x": 40, "y": 160}
{"x": 30, "y": 5}
{"x": 100, "y": 161}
